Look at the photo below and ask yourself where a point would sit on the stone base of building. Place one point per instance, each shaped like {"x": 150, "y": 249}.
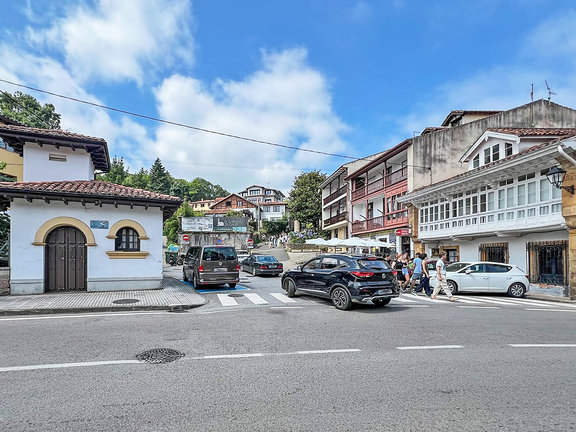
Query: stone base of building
{"x": 36, "y": 286}
{"x": 4, "y": 281}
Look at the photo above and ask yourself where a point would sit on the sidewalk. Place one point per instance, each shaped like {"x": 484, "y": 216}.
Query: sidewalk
{"x": 174, "y": 295}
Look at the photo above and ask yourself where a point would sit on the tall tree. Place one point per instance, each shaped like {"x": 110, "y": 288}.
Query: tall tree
{"x": 180, "y": 188}
{"x": 118, "y": 172}
{"x": 305, "y": 201}
{"x": 139, "y": 180}
{"x": 159, "y": 180}
{"x": 26, "y": 109}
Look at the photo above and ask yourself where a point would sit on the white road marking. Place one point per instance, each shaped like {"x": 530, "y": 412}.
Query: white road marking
{"x": 255, "y": 298}
{"x": 489, "y": 300}
{"x": 513, "y": 302}
{"x": 403, "y": 300}
{"x": 286, "y": 307}
{"x": 458, "y": 300}
{"x": 227, "y": 301}
{"x": 408, "y": 306}
{"x": 227, "y": 356}
{"x": 551, "y": 310}
{"x": 480, "y": 307}
{"x": 549, "y": 304}
{"x": 283, "y": 298}
{"x": 112, "y": 314}
{"x": 543, "y": 345}
{"x": 328, "y": 351}
{"x": 67, "y": 365}
{"x": 430, "y": 347}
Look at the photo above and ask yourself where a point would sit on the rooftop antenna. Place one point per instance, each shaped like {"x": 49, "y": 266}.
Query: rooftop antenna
{"x": 532, "y": 106}
{"x": 550, "y": 92}
{"x": 532, "y": 93}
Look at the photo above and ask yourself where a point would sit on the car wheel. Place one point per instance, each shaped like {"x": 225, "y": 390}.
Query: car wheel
{"x": 232, "y": 285}
{"x": 290, "y": 288}
{"x": 171, "y": 261}
{"x": 381, "y": 302}
{"x": 179, "y": 262}
{"x": 517, "y": 290}
{"x": 453, "y": 287}
{"x": 193, "y": 280}
{"x": 254, "y": 271}
{"x": 184, "y": 275}
{"x": 341, "y": 298}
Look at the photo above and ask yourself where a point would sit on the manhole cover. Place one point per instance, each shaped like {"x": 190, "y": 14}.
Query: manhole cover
{"x": 160, "y": 355}
{"x": 125, "y": 301}
{"x": 235, "y": 295}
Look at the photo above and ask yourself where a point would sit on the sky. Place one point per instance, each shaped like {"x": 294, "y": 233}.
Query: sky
{"x": 347, "y": 77}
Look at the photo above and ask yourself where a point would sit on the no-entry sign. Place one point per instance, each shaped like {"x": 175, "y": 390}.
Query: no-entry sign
{"x": 185, "y": 237}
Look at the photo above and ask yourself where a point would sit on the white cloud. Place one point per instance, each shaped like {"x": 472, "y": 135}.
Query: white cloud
{"x": 121, "y": 40}
{"x": 285, "y": 102}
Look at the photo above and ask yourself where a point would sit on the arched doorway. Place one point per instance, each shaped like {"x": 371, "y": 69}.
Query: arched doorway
{"x": 65, "y": 260}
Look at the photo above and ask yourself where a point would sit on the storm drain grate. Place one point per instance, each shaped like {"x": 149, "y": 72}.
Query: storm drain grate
{"x": 159, "y": 355}
{"x": 125, "y": 301}
{"x": 236, "y": 295}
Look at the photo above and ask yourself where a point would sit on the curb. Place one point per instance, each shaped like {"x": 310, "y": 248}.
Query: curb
{"x": 169, "y": 308}
{"x": 549, "y": 298}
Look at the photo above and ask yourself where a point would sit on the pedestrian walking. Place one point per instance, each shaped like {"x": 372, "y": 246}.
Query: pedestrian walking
{"x": 424, "y": 284}
{"x": 441, "y": 276}
{"x": 416, "y": 272}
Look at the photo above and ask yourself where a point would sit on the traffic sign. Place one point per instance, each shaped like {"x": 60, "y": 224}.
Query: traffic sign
{"x": 185, "y": 238}
{"x": 250, "y": 242}
{"x": 402, "y": 232}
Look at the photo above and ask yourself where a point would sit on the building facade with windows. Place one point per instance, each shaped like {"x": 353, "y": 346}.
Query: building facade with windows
{"x": 503, "y": 208}
{"x": 234, "y": 202}
{"x": 69, "y": 232}
{"x": 260, "y": 194}
{"x": 375, "y": 189}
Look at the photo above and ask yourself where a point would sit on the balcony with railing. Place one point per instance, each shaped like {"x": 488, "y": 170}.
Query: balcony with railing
{"x": 335, "y": 219}
{"x": 380, "y": 185}
{"x": 390, "y": 220}
{"x": 336, "y": 194}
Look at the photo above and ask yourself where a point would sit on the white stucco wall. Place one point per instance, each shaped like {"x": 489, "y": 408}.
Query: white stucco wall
{"x": 39, "y": 167}
{"x": 103, "y": 273}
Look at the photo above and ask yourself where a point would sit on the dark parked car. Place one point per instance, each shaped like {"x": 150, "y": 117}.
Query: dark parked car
{"x": 261, "y": 265}
{"x": 344, "y": 279}
{"x": 211, "y": 265}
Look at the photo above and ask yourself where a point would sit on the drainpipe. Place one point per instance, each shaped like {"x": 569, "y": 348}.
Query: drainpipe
{"x": 563, "y": 153}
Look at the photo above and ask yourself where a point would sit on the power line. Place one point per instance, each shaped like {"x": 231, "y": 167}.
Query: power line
{"x": 156, "y": 119}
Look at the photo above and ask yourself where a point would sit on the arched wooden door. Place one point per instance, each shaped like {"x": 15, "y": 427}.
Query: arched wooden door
{"x": 65, "y": 260}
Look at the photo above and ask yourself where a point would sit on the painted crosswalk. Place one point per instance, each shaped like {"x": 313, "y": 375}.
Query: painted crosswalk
{"x": 276, "y": 299}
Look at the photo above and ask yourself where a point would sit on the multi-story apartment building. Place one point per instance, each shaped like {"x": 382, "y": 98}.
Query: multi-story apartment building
{"x": 273, "y": 210}
{"x": 503, "y": 208}
{"x": 261, "y": 194}
{"x": 375, "y": 210}
{"x": 204, "y": 205}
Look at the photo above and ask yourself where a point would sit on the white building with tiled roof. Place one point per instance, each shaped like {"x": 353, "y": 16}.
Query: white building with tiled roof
{"x": 69, "y": 232}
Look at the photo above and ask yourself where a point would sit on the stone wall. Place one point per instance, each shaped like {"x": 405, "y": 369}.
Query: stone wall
{"x": 569, "y": 213}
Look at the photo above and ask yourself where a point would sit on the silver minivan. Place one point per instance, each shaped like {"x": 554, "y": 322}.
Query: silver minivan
{"x": 211, "y": 265}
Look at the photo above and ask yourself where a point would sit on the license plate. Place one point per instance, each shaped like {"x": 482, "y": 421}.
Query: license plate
{"x": 384, "y": 291}
{"x": 272, "y": 266}
{"x": 220, "y": 269}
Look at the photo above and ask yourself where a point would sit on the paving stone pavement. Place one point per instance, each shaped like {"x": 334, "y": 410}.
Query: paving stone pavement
{"x": 174, "y": 295}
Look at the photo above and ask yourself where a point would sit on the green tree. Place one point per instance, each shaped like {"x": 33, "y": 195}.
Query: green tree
{"x": 117, "y": 174}
{"x": 26, "y": 109}
{"x": 305, "y": 200}
{"x": 159, "y": 179}
{"x": 274, "y": 227}
{"x": 180, "y": 188}
{"x": 139, "y": 180}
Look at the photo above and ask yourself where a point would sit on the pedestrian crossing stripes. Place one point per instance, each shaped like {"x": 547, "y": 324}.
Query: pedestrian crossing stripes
{"x": 477, "y": 302}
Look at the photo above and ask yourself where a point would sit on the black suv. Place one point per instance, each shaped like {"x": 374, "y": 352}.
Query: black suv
{"x": 344, "y": 279}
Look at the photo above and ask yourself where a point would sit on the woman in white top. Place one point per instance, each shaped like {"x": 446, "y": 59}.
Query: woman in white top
{"x": 441, "y": 276}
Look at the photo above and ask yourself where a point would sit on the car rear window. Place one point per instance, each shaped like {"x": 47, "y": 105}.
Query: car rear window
{"x": 266, "y": 258}
{"x": 373, "y": 264}
{"x": 219, "y": 254}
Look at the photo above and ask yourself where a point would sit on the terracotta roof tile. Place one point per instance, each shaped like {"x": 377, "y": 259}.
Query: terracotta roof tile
{"x": 49, "y": 132}
{"x": 523, "y": 132}
{"x": 87, "y": 188}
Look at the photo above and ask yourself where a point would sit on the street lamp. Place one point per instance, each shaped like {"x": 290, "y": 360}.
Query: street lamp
{"x": 556, "y": 177}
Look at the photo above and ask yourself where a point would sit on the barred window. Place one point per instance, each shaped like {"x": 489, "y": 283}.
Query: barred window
{"x": 127, "y": 239}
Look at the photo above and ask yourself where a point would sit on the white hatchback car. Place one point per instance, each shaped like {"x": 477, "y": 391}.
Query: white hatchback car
{"x": 483, "y": 276}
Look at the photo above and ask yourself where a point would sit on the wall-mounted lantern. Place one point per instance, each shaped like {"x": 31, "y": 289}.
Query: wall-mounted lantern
{"x": 556, "y": 177}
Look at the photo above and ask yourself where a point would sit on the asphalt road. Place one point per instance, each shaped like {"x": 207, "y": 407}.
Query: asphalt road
{"x": 268, "y": 364}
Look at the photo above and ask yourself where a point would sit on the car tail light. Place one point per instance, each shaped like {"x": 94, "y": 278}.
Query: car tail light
{"x": 280, "y": 266}
{"x": 263, "y": 267}
{"x": 237, "y": 267}
{"x": 360, "y": 274}
{"x": 201, "y": 269}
